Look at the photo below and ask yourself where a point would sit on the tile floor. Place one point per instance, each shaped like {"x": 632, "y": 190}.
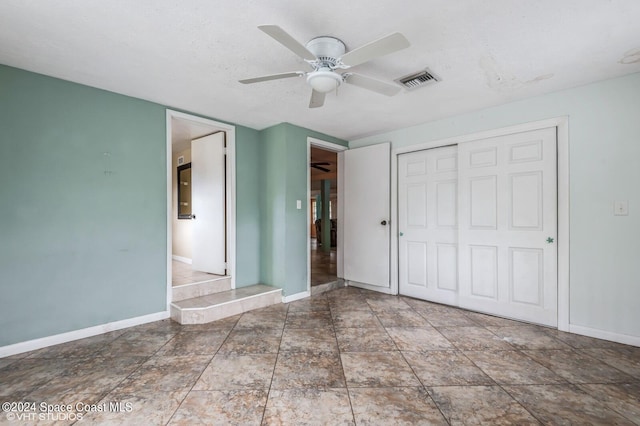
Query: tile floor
{"x": 323, "y": 265}
{"x": 181, "y": 273}
{"x": 347, "y": 356}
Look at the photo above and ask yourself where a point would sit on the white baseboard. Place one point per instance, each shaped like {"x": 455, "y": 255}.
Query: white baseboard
{"x": 31, "y": 345}
{"x": 181, "y": 259}
{"x": 294, "y": 297}
{"x": 605, "y": 335}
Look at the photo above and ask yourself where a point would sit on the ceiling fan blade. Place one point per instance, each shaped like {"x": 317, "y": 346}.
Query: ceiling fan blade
{"x": 383, "y": 46}
{"x": 282, "y": 37}
{"x": 271, "y": 77}
{"x": 320, "y": 168}
{"x": 372, "y": 84}
{"x": 317, "y": 99}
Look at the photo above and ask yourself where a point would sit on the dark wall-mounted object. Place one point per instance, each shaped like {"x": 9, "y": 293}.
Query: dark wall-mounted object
{"x": 184, "y": 191}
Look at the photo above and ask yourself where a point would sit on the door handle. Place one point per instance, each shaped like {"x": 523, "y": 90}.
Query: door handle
{"x": 383, "y": 223}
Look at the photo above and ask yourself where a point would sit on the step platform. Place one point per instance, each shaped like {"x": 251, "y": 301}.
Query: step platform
{"x": 212, "y": 307}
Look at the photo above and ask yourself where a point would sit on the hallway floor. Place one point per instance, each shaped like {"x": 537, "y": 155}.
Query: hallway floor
{"x": 323, "y": 265}
{"x": 348, "y": 356}
{"x": 181, "y": 273}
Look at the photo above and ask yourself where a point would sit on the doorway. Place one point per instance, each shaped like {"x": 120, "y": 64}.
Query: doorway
{"x": 213, "y": 147}
{"x": 323, "y": 215}
{"x": 323, "y": 225}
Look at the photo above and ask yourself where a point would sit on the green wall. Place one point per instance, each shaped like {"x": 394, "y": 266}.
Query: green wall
{"x": 247, "y": 206}
{"x": 283, "y": 150}
{"x": 83, "y": 233}
{"x": 83, "y": 236}
{"x": 604, "y": 148}
{"x": 272, "y": 199}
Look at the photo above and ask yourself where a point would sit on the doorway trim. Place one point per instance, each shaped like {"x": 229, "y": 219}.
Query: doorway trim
{"x": 230, "y": 184}
{"x": 333, "y": 147}
{"x": 562, "y": 126}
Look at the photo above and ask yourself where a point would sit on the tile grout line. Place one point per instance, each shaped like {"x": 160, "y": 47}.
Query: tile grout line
{"x": 273, "y": 373}
{"x": 520, "y": 403}
{"x": 346, "y": 385}
{"x": 515, "y": 349}
{"x": 146, "y": 359}
{"x": 582, "y": 351}
{"x": 411, "y": 367}
{"x": 201, "y": 373}
{"x": 485, "y": 373}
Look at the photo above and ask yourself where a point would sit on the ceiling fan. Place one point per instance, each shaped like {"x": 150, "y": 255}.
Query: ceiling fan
{"x": 326, "y": 55}
{"x": 318, "y": 165}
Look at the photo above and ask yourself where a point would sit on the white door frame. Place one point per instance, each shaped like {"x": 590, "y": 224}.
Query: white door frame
{"x": 562, "y": 125}
{"x": 230, "y": 179}
{"x": 334, "y": 147}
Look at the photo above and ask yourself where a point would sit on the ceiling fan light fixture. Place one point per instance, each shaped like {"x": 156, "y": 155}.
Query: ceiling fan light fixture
{"x": 325, "y": 55}
{"x": 324, "y": 80}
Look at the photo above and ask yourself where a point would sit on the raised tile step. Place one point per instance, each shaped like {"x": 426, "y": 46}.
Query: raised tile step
{"x": 204, "y": 309}
{"x": 323, "y": 288}
{"x": 202, "y": 288}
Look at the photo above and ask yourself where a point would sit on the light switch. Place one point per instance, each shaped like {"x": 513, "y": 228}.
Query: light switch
{"x": 621, "y": 208}
{"x": 298, "y": 204}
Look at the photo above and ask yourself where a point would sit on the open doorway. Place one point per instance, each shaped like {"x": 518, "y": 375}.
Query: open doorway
{"x": 200, "y": 225}
{"x": 323, "y": 222}
{"x": 323, "y": 217}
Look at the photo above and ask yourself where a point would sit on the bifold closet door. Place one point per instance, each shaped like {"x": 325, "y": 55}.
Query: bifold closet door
{"x": 428, "y": 224}
{"x": 508, "y": 226}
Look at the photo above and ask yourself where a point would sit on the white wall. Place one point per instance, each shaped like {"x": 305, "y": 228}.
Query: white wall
{"x": 604, "y": 152}
{"x": 181, "y": 234}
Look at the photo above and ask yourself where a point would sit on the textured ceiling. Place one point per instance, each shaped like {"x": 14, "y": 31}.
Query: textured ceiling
{"x": 184, "y": 131}
{"x": 189, "y": 54}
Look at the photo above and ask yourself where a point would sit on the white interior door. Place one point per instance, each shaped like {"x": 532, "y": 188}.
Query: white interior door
{"x": 428, "y": 224}
{"x": 366, "y": 216}
{"x": 508, "y": 226}
{"x": 208, "y": 199}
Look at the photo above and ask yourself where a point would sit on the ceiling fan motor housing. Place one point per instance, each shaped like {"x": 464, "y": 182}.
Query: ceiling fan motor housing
{"x": 327, "y": 50}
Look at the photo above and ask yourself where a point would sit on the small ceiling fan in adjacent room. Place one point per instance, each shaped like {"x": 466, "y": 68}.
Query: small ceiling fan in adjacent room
{"x": 326, "y": 55}
{"x": 318, "y": 165}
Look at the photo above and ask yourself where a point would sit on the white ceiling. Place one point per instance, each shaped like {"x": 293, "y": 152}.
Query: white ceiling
{"x": 189, "y": 54}
{"x": 184, "y": 131}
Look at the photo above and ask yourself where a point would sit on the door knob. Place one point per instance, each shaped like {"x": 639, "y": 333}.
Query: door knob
{"x": 383, "y": 223}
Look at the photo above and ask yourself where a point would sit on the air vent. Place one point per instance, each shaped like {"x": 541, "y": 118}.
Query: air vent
{"x": 417, "y": 80}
